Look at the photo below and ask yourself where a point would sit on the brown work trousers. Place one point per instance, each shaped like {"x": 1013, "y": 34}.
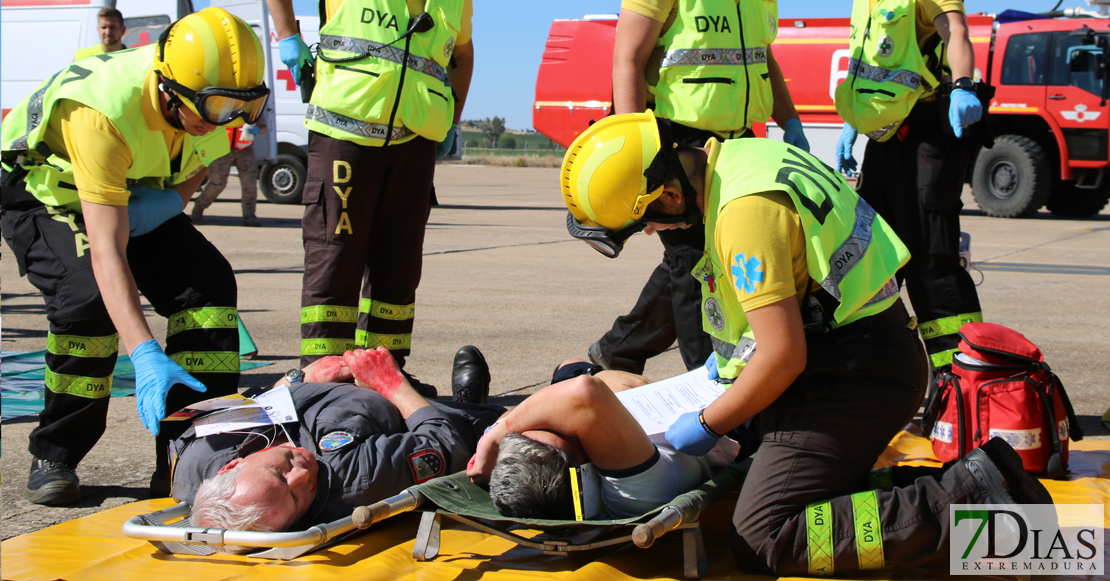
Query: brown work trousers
{"x": 248, "y": 179}
{"x": 818, "y": 442}
{"x": 366, "y": 209}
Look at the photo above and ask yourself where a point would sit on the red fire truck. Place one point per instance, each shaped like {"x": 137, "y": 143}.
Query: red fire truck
{"x": 1049, "y": 113}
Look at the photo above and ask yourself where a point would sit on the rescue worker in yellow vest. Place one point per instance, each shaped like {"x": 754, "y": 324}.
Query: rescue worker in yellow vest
{"x": 708, "y": 67}
{"x": 799, "y": 296}
{"x": 97, "y": 166}
{"x": 910, "y": 89}
{"x": 391, "y": 77}
{"x": 110, "y": 29}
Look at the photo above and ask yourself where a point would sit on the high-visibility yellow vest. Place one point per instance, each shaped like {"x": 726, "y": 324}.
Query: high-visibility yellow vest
{"x": 850, "y": 250}
{"x": 111, "y": 83}
{"x": 84, "y": 53}
{"x": 353, "y": 101}
{"x": 714, "y": 73}
{"x": 887, "y": 73}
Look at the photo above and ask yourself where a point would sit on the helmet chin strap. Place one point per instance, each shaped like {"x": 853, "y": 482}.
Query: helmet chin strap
{"x": 175, "y": 104}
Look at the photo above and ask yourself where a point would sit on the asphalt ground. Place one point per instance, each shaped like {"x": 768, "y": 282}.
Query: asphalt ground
{"x": 501, "y": 273}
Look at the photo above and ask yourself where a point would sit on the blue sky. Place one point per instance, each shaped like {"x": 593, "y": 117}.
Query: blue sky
{"x": 509, "y": 42}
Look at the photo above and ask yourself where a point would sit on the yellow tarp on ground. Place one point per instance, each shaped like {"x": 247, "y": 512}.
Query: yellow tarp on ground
{"x": 93, "y": 548}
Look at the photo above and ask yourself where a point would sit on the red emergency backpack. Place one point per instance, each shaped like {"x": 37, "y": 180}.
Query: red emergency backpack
{"x": 1000, "y": 386}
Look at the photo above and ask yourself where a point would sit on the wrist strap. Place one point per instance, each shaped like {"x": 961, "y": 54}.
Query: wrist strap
{"x": 705, "y": 426}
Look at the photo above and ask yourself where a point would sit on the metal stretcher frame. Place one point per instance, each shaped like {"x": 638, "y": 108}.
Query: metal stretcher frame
{"x": 170, "y": 531}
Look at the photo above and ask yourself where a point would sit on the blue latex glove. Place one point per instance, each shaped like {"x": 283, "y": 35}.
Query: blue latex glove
{"x": 963, "y": 110}
{"x": 845, "y": 163}
{"x": 294, "y": 53}
{"x": 445, "y": 145}
{"x": 253, "y": 129}
{"x": 792, "y": 134}
{"x": 711, "y": 367}
{"x": 687, "y": 435}
{"x": 149, "y": 208}
{"x": 155, "y": 374}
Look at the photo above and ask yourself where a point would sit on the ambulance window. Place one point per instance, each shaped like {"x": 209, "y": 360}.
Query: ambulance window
{"x": 1025, "y": 60}
{"x": 1075, "y": 62}
{"x": 144, "y": 30}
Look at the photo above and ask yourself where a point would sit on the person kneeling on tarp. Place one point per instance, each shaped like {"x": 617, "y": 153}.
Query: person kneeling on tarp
{"x": 353, "y": 445}
{"x": 526, "y": 458}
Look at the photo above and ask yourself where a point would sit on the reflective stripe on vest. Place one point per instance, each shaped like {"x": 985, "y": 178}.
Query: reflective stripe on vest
{"x": 354, "y": 126}
{"x": 78, "y": 346}
{"x": 713, "y": 69}
{"x": 904, "y": 77}
{"x": 848, "y": 255}
{"x": 380, "y": 50}
{"x": 819, "y": 538}
{"x": 869, "y": 531}
{"x": 33, "y": 115}
{"x": 87, "y": 387}
{"x": 727, "y": 350}
{"x": 203, "y": 318}
{"x": 207, "y": 361}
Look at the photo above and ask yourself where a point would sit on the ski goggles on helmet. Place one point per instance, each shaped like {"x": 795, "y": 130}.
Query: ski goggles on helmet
{"x": 220, "y": 105}
{"x": 601, "y": 238}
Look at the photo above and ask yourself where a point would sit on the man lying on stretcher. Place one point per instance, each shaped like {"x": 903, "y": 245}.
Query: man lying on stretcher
{"x": 353, "y": 445}
{"x": 526, "y": 456}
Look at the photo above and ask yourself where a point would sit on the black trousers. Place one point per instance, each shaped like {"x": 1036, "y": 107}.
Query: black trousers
{"x": 818, "y": 443}
{"x": 915, "y": 184}
{"x": 669, "y": 306}
{"x": 175, "y": 267}
{"x": 366, "y": 209}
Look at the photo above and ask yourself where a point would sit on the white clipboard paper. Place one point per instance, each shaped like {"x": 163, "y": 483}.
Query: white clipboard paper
{"x": 657, "y": 405}
{"x": 270, "y": 408}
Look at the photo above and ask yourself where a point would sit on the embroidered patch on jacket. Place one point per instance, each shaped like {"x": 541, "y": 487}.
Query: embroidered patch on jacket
{"x": 426, "y": 465}
{"x": 335, "y": 441}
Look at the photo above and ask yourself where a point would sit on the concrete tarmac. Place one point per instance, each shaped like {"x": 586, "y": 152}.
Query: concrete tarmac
{"x": 501, "y": 273}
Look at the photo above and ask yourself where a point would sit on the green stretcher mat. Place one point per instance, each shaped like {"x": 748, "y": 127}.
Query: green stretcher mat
{"x": 22, "y": 375}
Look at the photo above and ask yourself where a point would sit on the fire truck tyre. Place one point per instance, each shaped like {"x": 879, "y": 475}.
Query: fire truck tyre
{"x": 1012, "y": 179}
{"x": 282, "y": 182}
{"x": 1068, "y": 201}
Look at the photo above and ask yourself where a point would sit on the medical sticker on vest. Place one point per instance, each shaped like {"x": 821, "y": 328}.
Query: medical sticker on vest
{"x": 746, "y": 272}
{"x": 335, "y": 441}
{"x": 426, "y": 465}
{"x": 713, "y": 313}
{"x": 886, "y": 46}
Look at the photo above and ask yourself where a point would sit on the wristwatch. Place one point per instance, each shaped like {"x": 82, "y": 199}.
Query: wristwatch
{"x": 292, "y": 377}
{"x": 964, "y": 83}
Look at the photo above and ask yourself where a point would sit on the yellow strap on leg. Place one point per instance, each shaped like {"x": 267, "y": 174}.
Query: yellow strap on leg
{"x": 819, "y": 538}
{"x": 869, "y": 532}
{"x": 324, "y": 346}
{"x": 947, "y": 325}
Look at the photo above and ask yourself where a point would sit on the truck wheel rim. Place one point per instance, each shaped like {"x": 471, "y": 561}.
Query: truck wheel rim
{"x": 283, "y": 180}
{"x": 1003, "y": 179}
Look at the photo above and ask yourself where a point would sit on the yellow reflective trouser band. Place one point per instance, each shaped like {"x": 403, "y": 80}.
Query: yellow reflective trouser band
{"x": 328, "y": 314}
{"x": 78, "y": 346}
{"x": 943, "y": 357}
{"x": 203, "y": 318}
{"x": 207, "y": 361}
{"x": 380, "y": 310}
{"x": 947, "y": 326}
{"x": 327, "y": 346}
{"x": 819, "y": 538}
{"x": 375, "y": 340}
{"x": 869, "y": 532}
{"x": 882, "y": 478}
{"x": 90, "y": 387}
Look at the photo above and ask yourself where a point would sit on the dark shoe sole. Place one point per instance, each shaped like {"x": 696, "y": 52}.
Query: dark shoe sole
{"x": 1023, "y": 487}
{"x": 57, "y": 493}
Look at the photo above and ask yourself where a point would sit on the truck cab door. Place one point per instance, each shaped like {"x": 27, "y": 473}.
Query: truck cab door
{"x": 1073, "y": 96}
{"x": 255, "y": 14}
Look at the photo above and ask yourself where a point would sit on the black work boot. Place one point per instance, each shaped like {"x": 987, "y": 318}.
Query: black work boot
{"x": 597, "y": 357}
{"x": 470, "y": 376}
{"x": 1001, "y": 476}
{"x": 52, "y": 483}
{"x": 424, "y": 389}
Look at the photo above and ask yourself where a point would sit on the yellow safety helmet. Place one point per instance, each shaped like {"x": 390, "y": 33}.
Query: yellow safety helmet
{"x": 215, "y": 62}
{"x": 612, "y": 172}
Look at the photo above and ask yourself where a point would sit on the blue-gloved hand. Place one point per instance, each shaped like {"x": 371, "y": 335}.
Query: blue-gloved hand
{"x": 294, "y": 53}
{"x": 253, "y": 129}
{"x": 963, "y": 110}
{"x": 792, "y": 134}
{"x": 711, "y": 367}
{"x": 155, "y": 374}
{"x": 445, "y": 145}
{"x": 149, "y": 208}
{"x": 687, "y": 435}
{"x": 845, "y": 163}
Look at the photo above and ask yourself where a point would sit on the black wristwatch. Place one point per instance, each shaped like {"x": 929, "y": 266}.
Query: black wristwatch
{"x": 964, "y": 83}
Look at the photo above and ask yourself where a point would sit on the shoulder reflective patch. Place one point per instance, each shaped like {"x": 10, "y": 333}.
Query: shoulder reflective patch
{"x": 746, "y": 272}
{"x": 335, "y": 441}
{"x": 426, "y": 465}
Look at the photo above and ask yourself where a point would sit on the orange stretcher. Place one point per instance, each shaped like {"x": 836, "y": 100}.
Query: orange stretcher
{"x": 93, "y": 547}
